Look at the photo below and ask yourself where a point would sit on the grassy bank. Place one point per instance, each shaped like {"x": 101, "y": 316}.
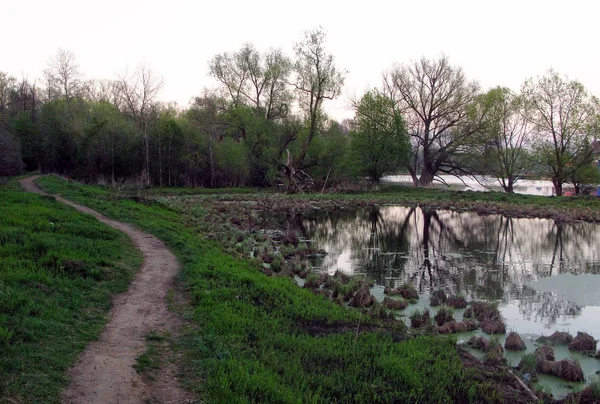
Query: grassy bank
{"x": 58, "y": 272}
{"x": 255, "y": 338}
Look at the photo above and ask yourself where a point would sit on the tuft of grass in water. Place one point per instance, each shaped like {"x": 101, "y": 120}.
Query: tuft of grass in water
{"x": 256, "y": 338}
{"x": 527, "y": 364}
{"x": 419, "y": 319}
{"x": 58, "y": 272}
{"x": 444, "y": 315}
{"x": 345, "y": 290}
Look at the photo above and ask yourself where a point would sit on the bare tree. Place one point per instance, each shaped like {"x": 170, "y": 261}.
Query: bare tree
{"x": 138, "y": 94}
{"x": 564, "y": 116}
{"x": 63, "y": 78}
{"x": 317, "y": 78}
{"x": 103, "y": 90}
{"x": 433, "y": 96}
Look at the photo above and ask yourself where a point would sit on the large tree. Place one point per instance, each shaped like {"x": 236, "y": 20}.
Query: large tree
{"x": 317, "y": 78}
{"x": 379, "y": 143}
{"x": 433, "y": 96}
{"x": 565, "y": 119}
{"x": 503, "y": 150}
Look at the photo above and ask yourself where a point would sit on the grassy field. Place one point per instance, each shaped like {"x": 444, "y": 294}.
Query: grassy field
{"x": 252, "y": 338}
{"x": 58, "y": 272}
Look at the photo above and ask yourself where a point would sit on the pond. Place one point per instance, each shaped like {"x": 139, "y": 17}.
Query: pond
{"x": 545, "y": 275}
{"x": 483, "y": 183}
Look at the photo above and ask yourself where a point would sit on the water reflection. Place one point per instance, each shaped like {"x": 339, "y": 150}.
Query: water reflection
{"x": 484, "y": 257}
{"x": 545, "y": 307}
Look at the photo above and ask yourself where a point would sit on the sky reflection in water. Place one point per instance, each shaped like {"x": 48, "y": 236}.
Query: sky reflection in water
{"x": 483, "y": 257}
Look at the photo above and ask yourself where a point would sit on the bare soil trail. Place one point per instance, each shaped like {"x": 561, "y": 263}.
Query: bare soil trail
{"x": 104, "y": 372}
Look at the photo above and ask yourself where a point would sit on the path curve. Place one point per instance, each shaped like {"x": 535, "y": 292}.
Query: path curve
{"x": 104, "y": 372}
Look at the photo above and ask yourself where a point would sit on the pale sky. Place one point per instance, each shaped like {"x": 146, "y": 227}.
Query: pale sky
{"x": 497, "y": 43}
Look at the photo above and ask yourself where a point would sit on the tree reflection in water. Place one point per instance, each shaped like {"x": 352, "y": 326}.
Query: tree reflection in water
{"x": 545, "y": 307}
{"x": 489, "y": 257}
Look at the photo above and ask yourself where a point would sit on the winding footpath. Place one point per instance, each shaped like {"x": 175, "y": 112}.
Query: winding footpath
{"x": 104, "y": 372}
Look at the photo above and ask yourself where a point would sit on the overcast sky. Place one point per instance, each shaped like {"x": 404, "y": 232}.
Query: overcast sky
{"x": 496, "y": 42}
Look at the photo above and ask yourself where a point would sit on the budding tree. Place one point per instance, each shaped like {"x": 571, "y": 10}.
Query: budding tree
{"x": 564, "y": 117}
{"x": 316, "y": 79}
{"x": 379, "y": 143}
{"x": 506, "y": 136}
{"x": 256, "y": 79}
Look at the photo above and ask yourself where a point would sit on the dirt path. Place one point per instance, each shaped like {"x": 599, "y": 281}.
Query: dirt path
{"x": 104, "y": 372}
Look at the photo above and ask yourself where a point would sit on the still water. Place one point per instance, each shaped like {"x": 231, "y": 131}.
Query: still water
{"x": 544, "y": 275}
{"x": 483, "y": 183}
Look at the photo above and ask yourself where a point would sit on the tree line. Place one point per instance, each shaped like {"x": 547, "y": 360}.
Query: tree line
{"x": 265, "y": 125}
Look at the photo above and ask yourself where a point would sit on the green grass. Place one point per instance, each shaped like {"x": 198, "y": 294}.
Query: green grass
{"x": 248, "y": 338}
{"x": 152, "y": 359}
{"x": 58, "y": 272}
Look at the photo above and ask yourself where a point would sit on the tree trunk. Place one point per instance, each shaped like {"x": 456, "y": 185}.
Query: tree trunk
{"x": 426, "y": 176}
{"x": 212, "y": 165}
{"x": 557, "y": 186}
{"x": 147, "y": 143}
{"x": 160, "y": 173}
{"x": 290, "y": 173}
{"x": 112, "y": 169}
{"x": 169, "y": 161}
{"x": 508, "y": 186}
{"x": 413, "y": 175}
{"x": 428, "y": 171}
